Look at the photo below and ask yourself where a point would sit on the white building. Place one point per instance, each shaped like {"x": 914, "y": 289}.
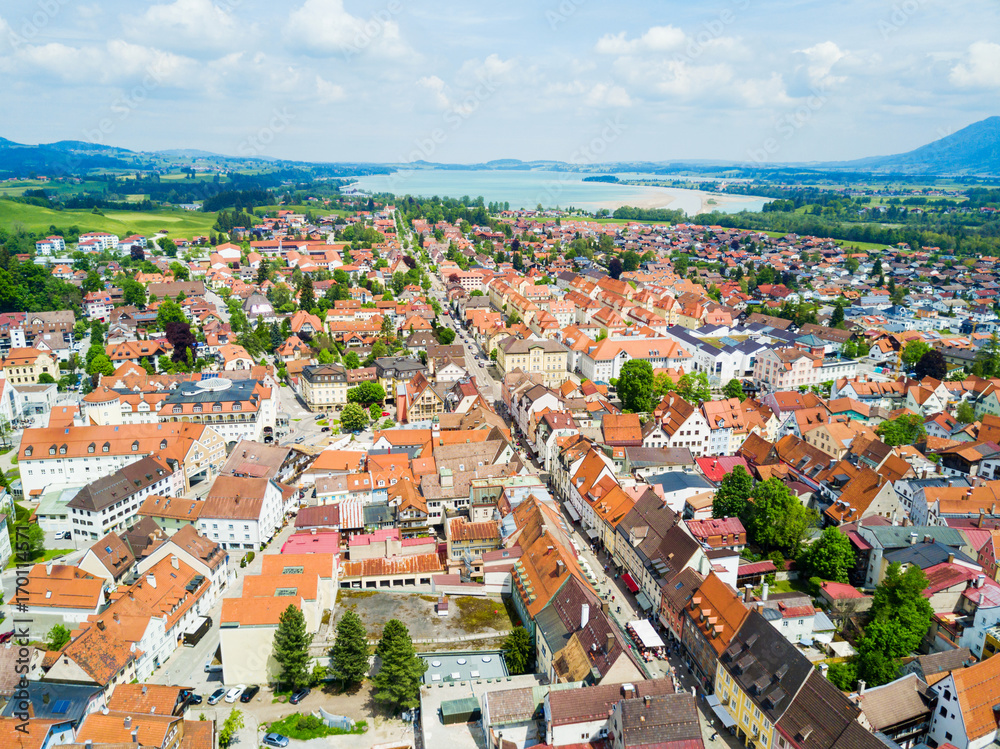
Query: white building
{"x": 242, "y": 513}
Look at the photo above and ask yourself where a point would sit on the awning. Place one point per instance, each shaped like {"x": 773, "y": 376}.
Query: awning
{"x": 720, "y": 711}
{"x": 574, "y": 515}
{"x": 643, "y": 602}
{"x": 630, "y": 583}
{"x": 592, "y": 534}
{"x": 645, "y": 632}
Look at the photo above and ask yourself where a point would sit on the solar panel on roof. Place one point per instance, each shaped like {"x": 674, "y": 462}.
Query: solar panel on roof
{"x": 726, "y": 340}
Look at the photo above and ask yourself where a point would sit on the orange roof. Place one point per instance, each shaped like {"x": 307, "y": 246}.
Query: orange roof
{"x": 461, "y": 529}
{"x": 415, "y": 564}
{"x": 63, "y": 586}
{"x": 978, "y": 688}
{"x": 117, "y": 728}
{"x": 144, "y": 698}
{"x": 723, "y": 612}
{"x": 34, "y": 736}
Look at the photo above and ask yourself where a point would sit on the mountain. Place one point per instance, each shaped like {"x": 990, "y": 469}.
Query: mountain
{"x": 973, "y": 150}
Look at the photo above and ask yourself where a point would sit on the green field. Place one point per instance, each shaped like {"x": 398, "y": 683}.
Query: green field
{"x": 177, "y": 222}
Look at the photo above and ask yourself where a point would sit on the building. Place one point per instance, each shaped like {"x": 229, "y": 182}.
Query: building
{"x": 236, "y": 409}
{"x": 966, "y": 715}
{"x": 544, "y": 357}
{"x": 324, "y": 387}
{"x": 57, "y": 456}
{"x": 111, "y": 504}
{"x": 58, "y": 594}
{"x": 242, "y": 513}
{"x": 24, "y": 366}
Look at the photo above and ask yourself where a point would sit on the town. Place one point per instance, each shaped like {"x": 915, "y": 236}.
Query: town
{"x": 441, "y": 474}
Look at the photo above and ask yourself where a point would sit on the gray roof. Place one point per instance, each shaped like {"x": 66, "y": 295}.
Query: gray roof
{"x": 644, "y": 457}
{"x": 897, "y": 536}
{"x": 119, "y": 485}
{"x": 675, "y": 481}
{"x": 201, "y": 391}
{"x": 900, "y": 701}
{"x": 665, "y": 719}
{"x": 53, "y": 701}
{"x": 925, "y": 555}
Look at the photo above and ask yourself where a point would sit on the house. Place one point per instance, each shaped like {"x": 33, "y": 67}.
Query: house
{"x": 242, "y": 513}
{"x": 545, "y": 357}
{"x": 900, "y": 710}
{"x": 709, "y": 621}
{"x": 25, "y": 366}
{"x": 966, "y": 715}
{"x": 58, "y": 594}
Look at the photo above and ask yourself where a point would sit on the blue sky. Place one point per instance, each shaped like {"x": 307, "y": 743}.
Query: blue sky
{"x": 570, "y": 80}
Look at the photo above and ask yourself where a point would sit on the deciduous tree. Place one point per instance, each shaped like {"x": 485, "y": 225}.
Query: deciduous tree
{"x": 731, "y": 497}
{"x": 353, "y": 418}
{"x": 635, "y": 385}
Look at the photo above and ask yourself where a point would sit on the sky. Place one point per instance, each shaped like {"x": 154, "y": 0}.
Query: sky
{"x": 582, "y": 81}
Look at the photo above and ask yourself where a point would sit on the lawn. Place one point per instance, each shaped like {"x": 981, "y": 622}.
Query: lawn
{"x": 305, "y": 727}
{"x": 49, "y": 554}
{"x": 479, "y": 614}
{"x": 177, "y": 222}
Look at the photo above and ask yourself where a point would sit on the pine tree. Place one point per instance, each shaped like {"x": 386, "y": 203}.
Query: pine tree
{"x": 398, "y": 680}
{"x": 291, "y": 648}
{"x": 306, "y": 299}
{"x": 517, "y": 651}
{"x": 349, "y": 654}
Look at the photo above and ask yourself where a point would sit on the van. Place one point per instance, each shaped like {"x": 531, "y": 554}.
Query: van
{"x": 212, "y": 668}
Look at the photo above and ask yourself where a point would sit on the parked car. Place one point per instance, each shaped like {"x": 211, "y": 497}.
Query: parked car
{"x": 211, "y": 668}
{"x": 233, "y": 694}
{"x": 300, "y": 695}
{"x": 275, "y": 740}
{"x": 63, "y": 534}
{"x": 319, "y": 416}
{"x": 249, "y": 693}
{"x": 190, "y": 697}
{"x": 217, "y": 695}
{"x": 325, "y": 429}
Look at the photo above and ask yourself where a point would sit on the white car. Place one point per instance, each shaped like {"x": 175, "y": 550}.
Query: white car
{"x": 234, "y": 694}
{"x": 60, "y": 535}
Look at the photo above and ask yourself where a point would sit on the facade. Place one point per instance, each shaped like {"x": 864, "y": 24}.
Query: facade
{"x": 236, "y": 409}
{"x": 241, "y": 513}
{"x": 324, "y": 387}
{"x": 23, "y": 366}
{"x": 544, "y": 357}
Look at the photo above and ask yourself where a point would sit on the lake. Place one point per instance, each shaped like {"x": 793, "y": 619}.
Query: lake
{"x": 528, "y": 188}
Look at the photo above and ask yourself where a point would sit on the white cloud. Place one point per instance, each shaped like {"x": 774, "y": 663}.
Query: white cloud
{"x": 118, "y": 62}
{"x": 328, "y": 92}
{"x": 437, "y": 87}
{"x": 324, "y": 27}
{"x": 188, "y": 25}
{"x": 607, "y": 95}
{"x": 981, "y": 68}
{"x": 820, "y": 60}
{"x": 656, "y": 39}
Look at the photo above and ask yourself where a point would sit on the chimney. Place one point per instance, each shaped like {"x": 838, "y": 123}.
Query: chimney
{"x": 913, "y": 539}
{"x": 560, "y": 566}
{"x": 151, "y": 580}
{"x": 144, "y": 688}
{"x": 928, "y": 539}
{"x": 115, "y": 617}
{"x": 312, "y": 531}
{"x": 174, "y": 562}
{"x": 645, "y": 700}
{"x": 135, "y": 737}
{"x": 48, "y": 568}
{"x": 763, "y": 591}
{"x": 982, "y": 516}
{"x": 610, "y": 644}
{"x": 951, "y": 558}
{"x": 980, "y": 580}
{"x": 584, "y": 615}
{"x": 749, "y": 593}
{"x": 128, "y": 721}
{"x": 861, "y": 687}
{"x": 100, "y": 625}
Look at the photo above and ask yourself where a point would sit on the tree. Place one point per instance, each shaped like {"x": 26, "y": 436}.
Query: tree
{"x": 349, "y": 654}
{"x": 351, "y": 360}
{"x": 182, "y": 339}
{"x": 731, "y": 497}
{"x": 903, "y": 430}
{"x": 291, "y": 648}
{"x": 913, "y": 350}
{"x": 445, "y": 336}
{"x": 518, "y": 652}
{"x": 306, "y": 298}
{"x": 965, "y": 413}
{"x": 662, "y": 384}
{"x": 133, "y": 293}
{"x": 102, "y": 365}
{"x": 45, "y": 379}
{"x": 375, "y": 411}
{"x": 366, "y": 393}
{"x": 353, "y": 418}
{"x": 635, "y": 385}
{"x": 775, "y": 519}
{"x": 829, "y": 558}
{"x": 379, "y": 350}
{"x": 615, "y": 268}
{"x": 397, "y": 682}
{"x": 57, "y": 637}
{"x": 263, "y": 272}
{"x": 169, "y": 311}
{"x": 734, "y": 389}
{"x": 694, "y": 387}
{"x": 630, "y": 261}
{"x": 233, "y": 724}
{"x": 92, "y": 282}
{"x": 325, "y": 356}
{"x": 931, "y": 364}
{"x": 837, "y": 317}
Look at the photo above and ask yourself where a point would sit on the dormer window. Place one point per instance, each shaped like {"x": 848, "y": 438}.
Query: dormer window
{"x": 106, "y": 447}
{"x": 52, "y": 450}
{"x": 28, "y": 450}
{"x": 178, "y": 409}
{"x": 217, "y": 407}
{"x": 62, "y": 449}
{"x": 163, "y": 444}
{"x": 135, "y": 445}
{"x": 237, "y": 407}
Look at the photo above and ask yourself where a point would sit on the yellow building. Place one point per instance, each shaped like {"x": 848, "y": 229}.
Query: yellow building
{"x": 23, "y": 366}
{"x": 547, "y": 358}
{"x": 759, "y": 675}
{"x": 324, "y": 387}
